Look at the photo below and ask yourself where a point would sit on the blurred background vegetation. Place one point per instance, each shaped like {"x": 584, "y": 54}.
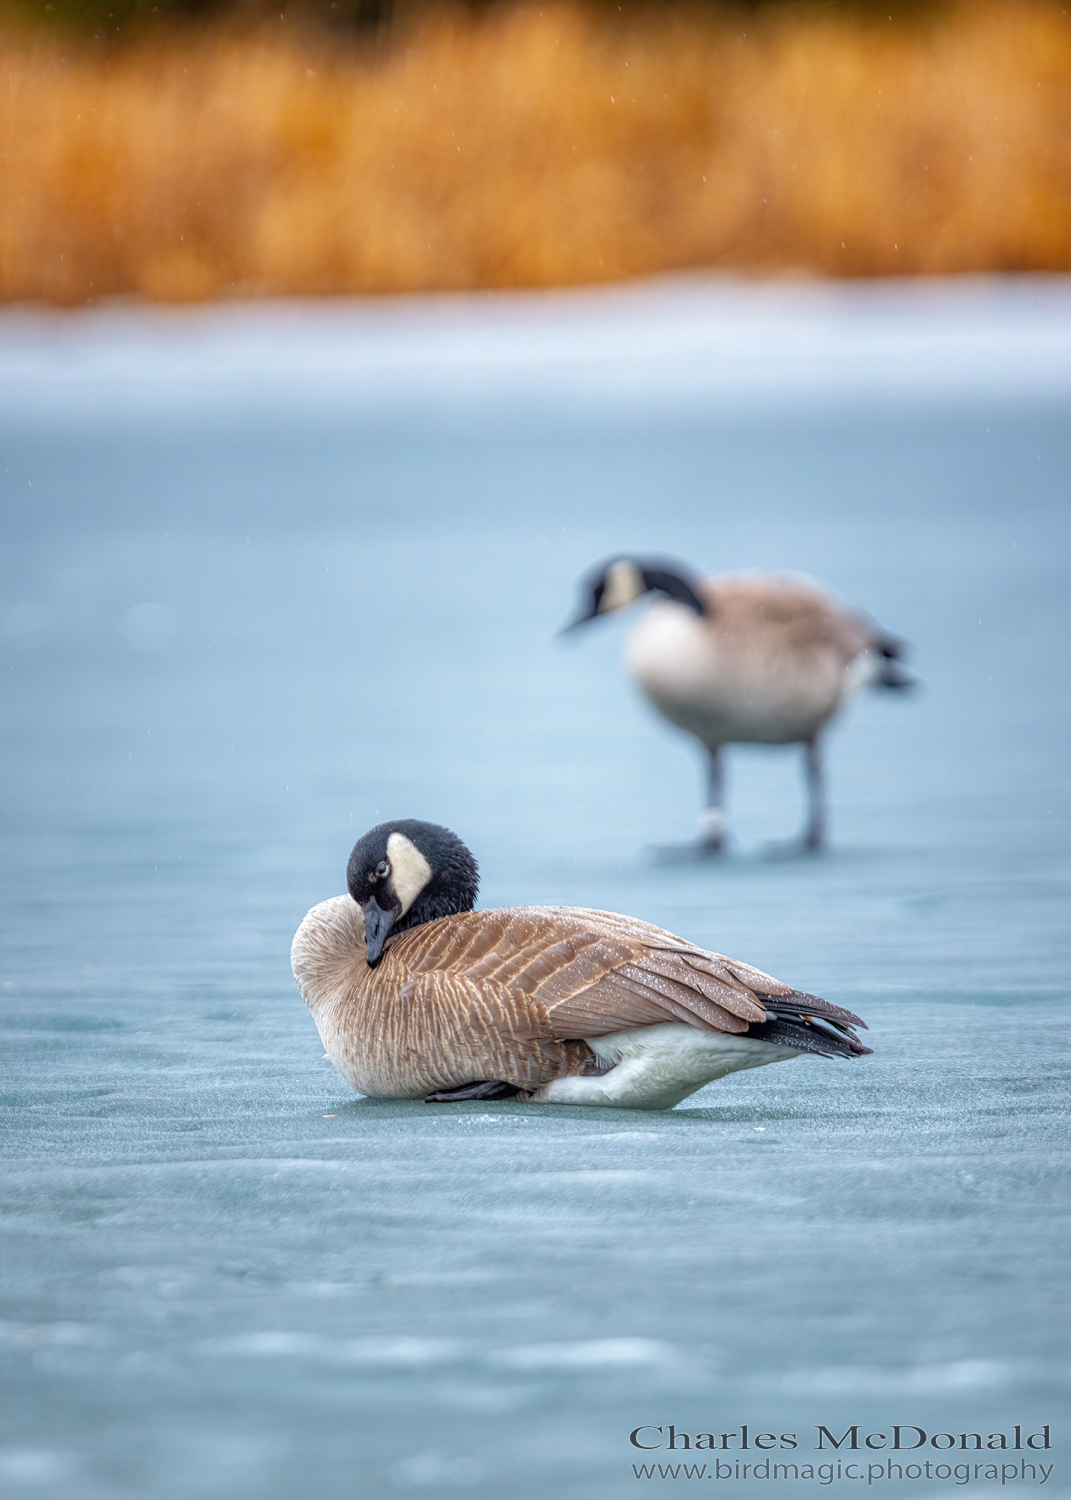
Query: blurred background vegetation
{"x": 192, "y": 149}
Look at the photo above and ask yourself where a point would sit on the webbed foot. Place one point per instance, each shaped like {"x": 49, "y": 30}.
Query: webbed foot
{"x": 487, "y": 1088}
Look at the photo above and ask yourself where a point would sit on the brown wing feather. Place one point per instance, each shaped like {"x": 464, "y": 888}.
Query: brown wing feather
{"x": 795, "y": 610}
{"x": 590, "y": 972}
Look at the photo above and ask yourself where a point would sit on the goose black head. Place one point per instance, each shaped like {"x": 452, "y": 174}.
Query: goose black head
{"x": 408, "y": 872}
{"x": 622, "y": 580}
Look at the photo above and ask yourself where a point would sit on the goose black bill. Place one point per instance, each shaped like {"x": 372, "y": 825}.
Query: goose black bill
{"x": 377, "y": 926}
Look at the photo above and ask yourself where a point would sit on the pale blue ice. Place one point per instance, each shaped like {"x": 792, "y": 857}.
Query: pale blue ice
{"x": 274, "y": 574}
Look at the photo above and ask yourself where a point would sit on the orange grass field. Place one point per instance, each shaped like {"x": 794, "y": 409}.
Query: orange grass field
{"x": 535, "y": 147}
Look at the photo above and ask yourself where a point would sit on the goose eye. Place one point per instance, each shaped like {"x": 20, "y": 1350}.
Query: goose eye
{"x": 383, "y": 868}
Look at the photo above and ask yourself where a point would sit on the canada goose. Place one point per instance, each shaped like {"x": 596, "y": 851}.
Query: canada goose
{"x": 418, "y": 996}
{"x": 744, "y": 658}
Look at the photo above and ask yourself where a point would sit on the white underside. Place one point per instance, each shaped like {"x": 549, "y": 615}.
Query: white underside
{"x": 655, "y": 1067}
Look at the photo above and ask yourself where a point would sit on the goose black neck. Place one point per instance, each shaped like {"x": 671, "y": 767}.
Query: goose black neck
{"x": 662, "y": 580}
{"x": 453, "y": 887}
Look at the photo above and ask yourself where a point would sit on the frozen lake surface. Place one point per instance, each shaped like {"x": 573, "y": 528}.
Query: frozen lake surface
{"x": 271, "y": 575}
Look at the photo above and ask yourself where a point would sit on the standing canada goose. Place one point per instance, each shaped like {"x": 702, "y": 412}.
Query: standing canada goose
{"x": 417, "y": 996}
{"x": 744, "y": 658}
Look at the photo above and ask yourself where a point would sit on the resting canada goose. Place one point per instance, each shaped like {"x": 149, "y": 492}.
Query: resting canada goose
{"x": 744, "y": 658}
{"x": 418, "y": 996}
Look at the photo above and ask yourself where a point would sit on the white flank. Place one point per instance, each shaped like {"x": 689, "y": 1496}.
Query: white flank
{"x": 655, "y": 1067}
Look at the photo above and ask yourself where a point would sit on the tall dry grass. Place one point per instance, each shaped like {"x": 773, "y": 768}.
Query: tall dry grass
{"x": 536, "y": 147}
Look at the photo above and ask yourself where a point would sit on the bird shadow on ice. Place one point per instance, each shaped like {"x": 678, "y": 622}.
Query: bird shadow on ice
{"x": 693, "y": 856}
{"x": 511, "y": 1113}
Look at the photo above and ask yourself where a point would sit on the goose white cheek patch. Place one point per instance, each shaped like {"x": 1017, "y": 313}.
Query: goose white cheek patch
{"x": 624, "y": 585}
{"x": 410, "y": 871}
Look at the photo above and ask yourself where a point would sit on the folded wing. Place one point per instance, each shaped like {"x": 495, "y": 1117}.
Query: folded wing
{"x": 561, "y": 973}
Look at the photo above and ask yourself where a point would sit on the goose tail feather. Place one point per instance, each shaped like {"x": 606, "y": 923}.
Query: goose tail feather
{"x": 889, "y": 672}
{"x": 809, "y": 1024}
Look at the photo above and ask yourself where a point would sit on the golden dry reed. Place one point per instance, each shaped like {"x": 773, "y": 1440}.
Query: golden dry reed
{"x": 536, "y": 147}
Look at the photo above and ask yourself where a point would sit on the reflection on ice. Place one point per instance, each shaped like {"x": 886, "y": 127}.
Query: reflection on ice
{"x": 35, "y": 1467}
{"x": 406, "y": 1353}
{"x": 388, "y": 1352}
{"x": 963, "y": 1375}
{"x": 584, "y": 1354}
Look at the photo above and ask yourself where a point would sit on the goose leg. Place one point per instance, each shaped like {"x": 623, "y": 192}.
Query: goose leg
{"x": 811, "y": 840}
{"x": 712, "y": 818}
{"x": 710, "y": 835}
{"x": 487, "y": 1088}
{"x": 815, "y": 832}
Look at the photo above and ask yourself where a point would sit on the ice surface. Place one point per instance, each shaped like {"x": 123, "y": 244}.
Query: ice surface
{"x": 273, "y": 575}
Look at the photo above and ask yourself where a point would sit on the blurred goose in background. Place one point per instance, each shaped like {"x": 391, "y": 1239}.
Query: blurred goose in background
{"x": 744, "y": 658}
{"x": 417, "y": 996}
